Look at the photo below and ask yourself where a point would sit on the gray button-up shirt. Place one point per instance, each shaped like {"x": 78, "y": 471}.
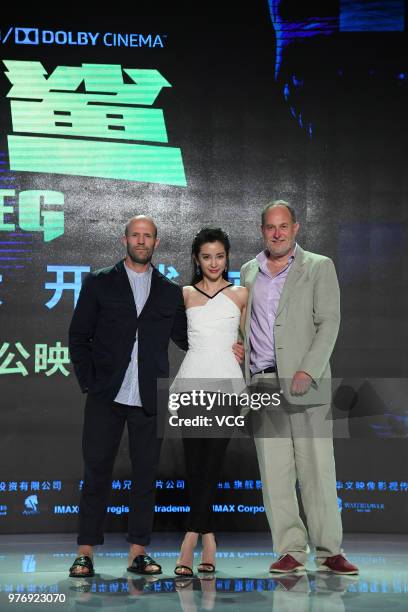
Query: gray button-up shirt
{"x": 129, "y": 392}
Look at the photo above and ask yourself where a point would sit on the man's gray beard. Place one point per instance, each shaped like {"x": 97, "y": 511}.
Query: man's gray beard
{"x": 281, "y": 254}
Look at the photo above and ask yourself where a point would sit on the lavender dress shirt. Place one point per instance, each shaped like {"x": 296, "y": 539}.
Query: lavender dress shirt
{"x": 266, "y": 295}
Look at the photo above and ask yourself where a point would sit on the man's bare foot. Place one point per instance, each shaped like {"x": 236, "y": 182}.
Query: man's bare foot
{"x": 134, "y": 551}
{"x": 186, "y": 555}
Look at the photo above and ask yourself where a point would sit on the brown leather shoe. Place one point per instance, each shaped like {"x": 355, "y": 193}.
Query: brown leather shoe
{"x": 285, "y": 565}
{"x": 338, "y": 565}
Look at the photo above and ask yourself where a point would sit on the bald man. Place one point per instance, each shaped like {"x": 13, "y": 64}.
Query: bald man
{"x": 118, "y": 338}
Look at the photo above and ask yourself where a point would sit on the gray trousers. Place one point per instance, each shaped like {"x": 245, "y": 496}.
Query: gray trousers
{"x": 298, "y": 446}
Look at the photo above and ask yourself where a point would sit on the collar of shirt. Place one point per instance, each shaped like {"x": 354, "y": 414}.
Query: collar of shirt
{"x": 262, "y": 259}
{"x": 135, "y": 275}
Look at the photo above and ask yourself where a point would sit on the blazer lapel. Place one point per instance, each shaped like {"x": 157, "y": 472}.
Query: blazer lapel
{"x": 250, "y": 283}
{"x": 154, "y": 292}
{"x": 123, "y": 285}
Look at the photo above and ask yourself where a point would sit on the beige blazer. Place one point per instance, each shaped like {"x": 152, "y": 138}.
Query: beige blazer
{"x": 306, "y": 325}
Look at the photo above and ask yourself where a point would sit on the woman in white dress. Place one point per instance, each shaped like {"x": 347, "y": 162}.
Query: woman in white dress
{"x": 215, "y": 311}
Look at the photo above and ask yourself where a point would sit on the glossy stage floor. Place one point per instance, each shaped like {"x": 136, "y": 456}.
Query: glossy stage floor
{"x": 34, "y": 576}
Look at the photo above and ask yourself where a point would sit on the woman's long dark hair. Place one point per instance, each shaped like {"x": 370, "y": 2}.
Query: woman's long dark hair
{"x": 208, "y": 234}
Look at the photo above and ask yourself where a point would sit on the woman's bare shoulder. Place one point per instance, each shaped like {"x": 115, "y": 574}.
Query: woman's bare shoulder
{"x": 188, "y": 289}
{"x": 239, "y": 290}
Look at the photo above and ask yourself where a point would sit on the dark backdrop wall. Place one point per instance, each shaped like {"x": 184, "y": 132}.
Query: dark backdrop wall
{"x": 280, "y": 100}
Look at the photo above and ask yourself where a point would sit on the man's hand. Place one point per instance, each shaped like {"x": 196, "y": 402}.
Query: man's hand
{"x": 300, "y": 383}
{"x": 239, "y": 351}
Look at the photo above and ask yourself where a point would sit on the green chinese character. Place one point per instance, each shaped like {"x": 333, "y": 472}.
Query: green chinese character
{"x": 19, "y": 368}
{"x": 54, "y": 106}
{"x": 55, "y": 356}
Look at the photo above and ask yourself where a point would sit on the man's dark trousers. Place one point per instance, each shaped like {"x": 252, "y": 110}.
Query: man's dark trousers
{"x": 103, "y": 429}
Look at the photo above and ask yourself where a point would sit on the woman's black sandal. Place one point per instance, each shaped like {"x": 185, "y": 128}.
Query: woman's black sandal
{"x": 188, "y": 574}
{"x": 206, "y": 571}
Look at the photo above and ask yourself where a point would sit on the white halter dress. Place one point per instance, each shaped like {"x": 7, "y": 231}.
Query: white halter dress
{"x": 210, "y": 363}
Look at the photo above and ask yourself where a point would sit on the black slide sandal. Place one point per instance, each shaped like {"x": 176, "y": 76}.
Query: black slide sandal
{"x": 82, "y": 561}
{"x": 140, "y": 563}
